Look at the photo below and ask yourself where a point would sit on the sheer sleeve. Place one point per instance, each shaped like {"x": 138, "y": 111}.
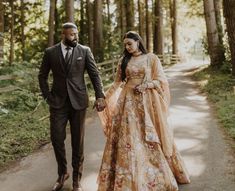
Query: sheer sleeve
{"x": 111, "y": 97}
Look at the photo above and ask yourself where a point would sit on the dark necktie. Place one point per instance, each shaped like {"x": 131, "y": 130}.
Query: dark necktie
{"x": 67, "y": 55}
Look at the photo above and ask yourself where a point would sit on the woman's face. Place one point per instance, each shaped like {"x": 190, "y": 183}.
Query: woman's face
{"x": 131, "y": 45}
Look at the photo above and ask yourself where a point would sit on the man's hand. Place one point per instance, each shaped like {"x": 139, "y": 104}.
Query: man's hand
{"x": 100, "y": 104}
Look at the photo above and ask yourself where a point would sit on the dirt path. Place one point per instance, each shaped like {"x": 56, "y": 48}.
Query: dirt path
{"x": 197, "y": 135}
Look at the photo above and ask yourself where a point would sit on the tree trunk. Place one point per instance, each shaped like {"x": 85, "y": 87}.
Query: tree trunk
{"x": 90, "y": 24}
{"x": 214, "y": 48}
{"x": 129, "y": 5}
{"x": 82, "y": 23}
{"x": 11, "y": 56}
{"x": 123, "y": 24}
{"x": 98, "y": 30}
{"x": 109, "y": 25}
{"x": 69, "y": 10}
{"x": 51, "y": 23}
{"x": 1, "y": 31}
{"x": 218, "y": 8}
{"x": 229, "y": 14}
{"x": 22, "y": 29}
{"x": 57, "y": 24}
{"x": 141, "y": 20}
{"x": 158, "y": 28}
{"x": 148, "y": 25}
{"x": 174, "y": 29}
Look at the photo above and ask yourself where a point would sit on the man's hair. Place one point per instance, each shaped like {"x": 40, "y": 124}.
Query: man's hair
{"x": 69, "y": 25}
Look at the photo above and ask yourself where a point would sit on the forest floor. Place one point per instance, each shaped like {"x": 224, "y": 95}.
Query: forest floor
{"x": 203, "y": 145}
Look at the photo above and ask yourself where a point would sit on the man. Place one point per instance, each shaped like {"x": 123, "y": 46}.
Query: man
{"x": 68, "y": 98}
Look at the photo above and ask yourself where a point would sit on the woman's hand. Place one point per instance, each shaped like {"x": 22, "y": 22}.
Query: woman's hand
{"x": 139, "y": 89}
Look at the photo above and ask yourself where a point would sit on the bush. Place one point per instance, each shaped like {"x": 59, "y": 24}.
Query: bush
{"x": 21, "y": 111}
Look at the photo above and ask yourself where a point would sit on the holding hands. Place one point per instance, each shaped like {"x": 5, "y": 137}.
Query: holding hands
{"x": 100, "y": 104}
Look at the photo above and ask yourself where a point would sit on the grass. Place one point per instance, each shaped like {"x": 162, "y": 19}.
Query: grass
{"x": 22, "y": 130}
{"x": 219, "y": 89}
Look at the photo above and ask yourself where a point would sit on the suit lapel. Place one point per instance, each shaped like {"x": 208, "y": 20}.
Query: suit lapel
{"x": 61, "y": 57}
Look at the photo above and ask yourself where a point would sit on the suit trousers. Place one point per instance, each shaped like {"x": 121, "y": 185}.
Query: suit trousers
{"x": 58, "y": 122}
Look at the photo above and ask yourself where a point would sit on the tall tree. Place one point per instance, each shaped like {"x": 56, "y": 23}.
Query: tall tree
{"x": 1, "y": 30}
{"x": 51, "y": 23}
{"x": 22, "y": 28}
{"x": 69, "y": 10}
{"x": 11, "y": 56}
{"x": 123, "y": 21}
{"x": 148, "y": 25}
{"x": 229, "y": 14}
{"x": 158, "y": 28}
{"x": 57, "y": 24}
{"x": 98, "y": 30}
{"x": 89, "y": 8}
{"x": 82, "y": 23}
{"x": 129, "y": 5}
{"x": 174, "y": 29}
{"x": 214, "y": 48}
{"x": 109, "y": 24}
{"x": 141, "y": 17}
{"x": 218, "y": 18}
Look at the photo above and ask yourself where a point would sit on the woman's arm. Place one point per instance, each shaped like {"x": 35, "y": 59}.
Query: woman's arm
{"x": 157, "y": 80}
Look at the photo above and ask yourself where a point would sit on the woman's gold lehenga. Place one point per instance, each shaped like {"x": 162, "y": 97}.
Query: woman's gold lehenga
{"x": 140, "y": 154}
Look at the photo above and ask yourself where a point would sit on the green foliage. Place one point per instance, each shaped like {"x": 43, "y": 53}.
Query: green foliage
{"x": 219, "y": 88}
{"x": 205, "y": 45}
{"x": 226, "y": 113}
{"x": 21, "y": 100}
{"x": 21, "y": 129}
{"x": 226, "y": 67}
{"x": 195, "y": 8}
{"x": 21, "y": 132}
{"x": 35, "y": 34}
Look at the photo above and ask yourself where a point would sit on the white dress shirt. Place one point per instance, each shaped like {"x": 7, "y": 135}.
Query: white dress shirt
{"x": 64, "y": 50}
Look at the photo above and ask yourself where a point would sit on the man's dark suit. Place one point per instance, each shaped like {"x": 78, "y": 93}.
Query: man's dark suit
{"x": 68, "y": 100}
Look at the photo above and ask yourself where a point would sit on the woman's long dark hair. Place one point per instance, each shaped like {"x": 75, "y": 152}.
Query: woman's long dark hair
{"x": 126, "y": 55}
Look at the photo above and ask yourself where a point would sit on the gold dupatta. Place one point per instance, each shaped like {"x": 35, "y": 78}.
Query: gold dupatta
{"x": 156, "y": 125}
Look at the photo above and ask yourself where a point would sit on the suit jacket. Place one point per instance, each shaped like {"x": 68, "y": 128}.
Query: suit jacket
{"x": 69, "y": 81}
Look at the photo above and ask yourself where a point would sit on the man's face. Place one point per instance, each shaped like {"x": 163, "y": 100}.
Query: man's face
{"x": 70, "y": 37}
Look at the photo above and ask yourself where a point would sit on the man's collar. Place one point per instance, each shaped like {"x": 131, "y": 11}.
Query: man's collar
{"x": 63, "y": 45}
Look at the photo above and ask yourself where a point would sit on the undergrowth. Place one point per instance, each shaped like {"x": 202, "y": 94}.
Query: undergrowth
{"x": 219, "y": 87}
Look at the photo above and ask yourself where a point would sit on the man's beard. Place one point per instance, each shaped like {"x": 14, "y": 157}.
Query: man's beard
{"x": 71, "y": 43}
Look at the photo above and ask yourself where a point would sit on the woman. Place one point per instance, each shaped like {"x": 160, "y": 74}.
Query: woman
{"x": 140, "y": 154}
